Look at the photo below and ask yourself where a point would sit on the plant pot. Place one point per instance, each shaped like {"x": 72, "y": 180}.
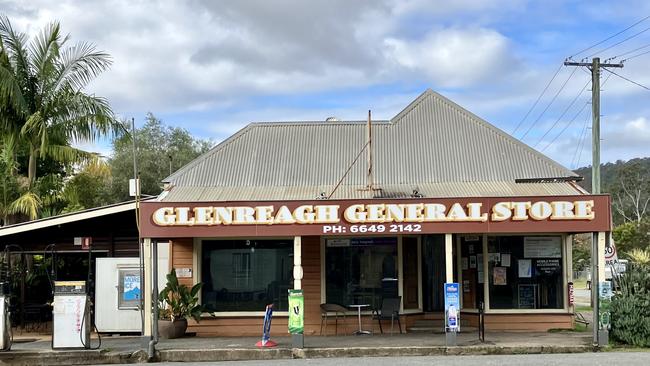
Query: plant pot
{"x": 168, "y": 329}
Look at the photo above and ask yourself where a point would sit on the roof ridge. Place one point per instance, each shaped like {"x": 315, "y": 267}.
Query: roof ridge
{"x": 485, "y": 124}
{"x": 428, "y": 92}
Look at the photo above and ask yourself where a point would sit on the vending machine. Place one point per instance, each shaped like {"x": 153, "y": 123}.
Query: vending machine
{"x": 70, "y": 315}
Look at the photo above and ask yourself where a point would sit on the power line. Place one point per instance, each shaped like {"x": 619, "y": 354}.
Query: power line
{"x": 549, "y": 104}
{"x": 573, "y": 119}
{"x": 581, "y": 143}
{"x": 563, "y": 113}
{"x": 566, "y": 127}
{"x": 624, "y": 78}
{"x": 538, "y": 99}
{"x": 628, "y": 52}
{"x": 610, "y": 37}
{"x": 619, "y": 42}
{"x": 635, "y": 56}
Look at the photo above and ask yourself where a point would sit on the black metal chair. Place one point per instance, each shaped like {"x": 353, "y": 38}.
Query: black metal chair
{"x": 338, "y": 310}
{"x": 389, "y": 310}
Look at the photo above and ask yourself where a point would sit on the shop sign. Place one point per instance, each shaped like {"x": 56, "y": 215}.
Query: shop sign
{"x": 452, "y": 307}
{"x": 378, "y": 217}
{"x": 378, "y": 213}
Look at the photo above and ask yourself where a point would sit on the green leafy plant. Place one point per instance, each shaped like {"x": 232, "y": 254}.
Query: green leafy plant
{"x": 177, "y": 301}
{"x": 630, "y": 306}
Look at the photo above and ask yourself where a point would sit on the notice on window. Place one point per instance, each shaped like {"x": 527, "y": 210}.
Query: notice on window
{"x": 526, "y": 296}
{"x": 548, "y": 266}
{"x": 499, "y": 277}
{"x": 505, "y": 259}
{"x": 479, "y": 259}
{"x": 338, "y": 243}
{"x": 464, "y": 263}
{"x": 525, "y": 270}
{"x": 472, "y": 261}
{"x": 543, "y": 247}
{"x": 494, "y": 257}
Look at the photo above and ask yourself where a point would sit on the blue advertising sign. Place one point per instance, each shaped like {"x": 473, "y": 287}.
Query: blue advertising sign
{"x": 452, "y": 307}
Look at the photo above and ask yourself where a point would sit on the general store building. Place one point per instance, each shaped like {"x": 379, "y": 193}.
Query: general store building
{"x": 443, "y": 196}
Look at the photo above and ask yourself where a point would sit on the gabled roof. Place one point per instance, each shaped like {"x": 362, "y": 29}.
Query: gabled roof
{"x": 432, "y": 143}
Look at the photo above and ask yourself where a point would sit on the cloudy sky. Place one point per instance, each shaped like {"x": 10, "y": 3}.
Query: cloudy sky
{"x": 214, "y": 66}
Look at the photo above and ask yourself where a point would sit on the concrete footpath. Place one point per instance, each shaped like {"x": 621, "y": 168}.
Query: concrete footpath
{"x": 122, "y": 350}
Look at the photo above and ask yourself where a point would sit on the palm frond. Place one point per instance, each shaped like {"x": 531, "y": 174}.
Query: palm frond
{"x": 15, "y": 46}
{"x": 27, "y": 204}
{"x": 44, "y": 51}
{"x": 80, "y": 64}
{"x": 84, "y": 118}
{"x": 69, "y": 154}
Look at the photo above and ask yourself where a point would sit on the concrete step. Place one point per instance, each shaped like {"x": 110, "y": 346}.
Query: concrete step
{"x": 435, "y": 326}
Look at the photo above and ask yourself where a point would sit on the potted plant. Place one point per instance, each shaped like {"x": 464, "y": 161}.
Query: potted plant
{"x": 176, "y": 303}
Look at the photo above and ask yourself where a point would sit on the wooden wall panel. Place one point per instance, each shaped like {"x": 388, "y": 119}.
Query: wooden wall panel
{"x": 181, "y": 256}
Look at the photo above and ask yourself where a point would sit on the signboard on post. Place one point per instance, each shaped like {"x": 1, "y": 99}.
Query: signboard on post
{"x": 296, "y": 312}
{"x": 452, "y": 307}
{"x": 605, "y": 295}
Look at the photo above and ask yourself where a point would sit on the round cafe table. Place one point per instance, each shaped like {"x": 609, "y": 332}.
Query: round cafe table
{"x": 359, "y": 306}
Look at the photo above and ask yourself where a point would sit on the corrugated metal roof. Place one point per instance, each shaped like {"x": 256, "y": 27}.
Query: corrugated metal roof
{"x": 432, "y": 142}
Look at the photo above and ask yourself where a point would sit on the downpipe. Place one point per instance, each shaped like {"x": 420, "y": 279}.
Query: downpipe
{"x": 151, "y": 351}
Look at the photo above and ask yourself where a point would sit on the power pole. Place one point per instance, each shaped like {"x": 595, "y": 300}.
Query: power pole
{"x": 371, "y": 182}
{"x": 600, "y": 336}
{"x": 594, "y": 66}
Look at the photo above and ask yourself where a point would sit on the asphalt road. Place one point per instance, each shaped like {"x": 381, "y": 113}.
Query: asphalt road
{"x": 579, "y": 359}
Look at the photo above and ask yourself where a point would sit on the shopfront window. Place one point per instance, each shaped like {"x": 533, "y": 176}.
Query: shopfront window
{"x": 525, "y": 272}
{"x": 360, "y": 270}
{"x": 246, "y": 275}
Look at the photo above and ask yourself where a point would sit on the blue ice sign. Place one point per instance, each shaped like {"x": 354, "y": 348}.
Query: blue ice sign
{"x": 131, "y": 287}
{"x": 452, "y": 307}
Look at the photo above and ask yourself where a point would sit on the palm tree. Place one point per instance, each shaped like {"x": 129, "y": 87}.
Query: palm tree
{"x": 42, "y": 102}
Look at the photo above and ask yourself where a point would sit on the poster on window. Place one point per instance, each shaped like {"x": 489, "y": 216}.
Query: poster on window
{"x": 464, "y": 263}
{"x": 499, "y": 277}
{"x": 525, "y": 270}
{"x": 543, "y": 247}
{"x": 472, "y": 261}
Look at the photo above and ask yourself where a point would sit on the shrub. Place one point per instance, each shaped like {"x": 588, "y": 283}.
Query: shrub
{"x": 630, "y": 307}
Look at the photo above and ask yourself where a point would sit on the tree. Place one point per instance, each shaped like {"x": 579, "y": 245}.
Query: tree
{"x": 41, "y": 92}
{"x": 160, "y": 150}
{"x": 632, "y": 235}
{"x": 631, "y": 193}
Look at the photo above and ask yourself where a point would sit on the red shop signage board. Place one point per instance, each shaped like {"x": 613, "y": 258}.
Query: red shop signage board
{"x": 539, "y": 214}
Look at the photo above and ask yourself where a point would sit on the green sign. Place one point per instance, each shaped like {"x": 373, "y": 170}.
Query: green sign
{"x": 605, "y": 295}
{"x": 296, "y": 312}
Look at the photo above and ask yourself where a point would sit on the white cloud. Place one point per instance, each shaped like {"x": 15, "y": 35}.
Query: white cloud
{"x": 452, "y": 57}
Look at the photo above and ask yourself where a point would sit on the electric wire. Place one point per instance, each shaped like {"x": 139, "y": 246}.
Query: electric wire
{"x": 549, "y": 104}
{"x": 635, "y": 56}
{"x": 610, "y": 37}
{"x": 629, "y": 80}
{"x": 563, "y": 113}
{"x": 581, "y": 141}
{"x": 583, "y": 135}
{"x": 566, "y": 126}
{"x": 631, "y": 51}
{"x": 538, "y": 99}
{"x": 619, "y": 42}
